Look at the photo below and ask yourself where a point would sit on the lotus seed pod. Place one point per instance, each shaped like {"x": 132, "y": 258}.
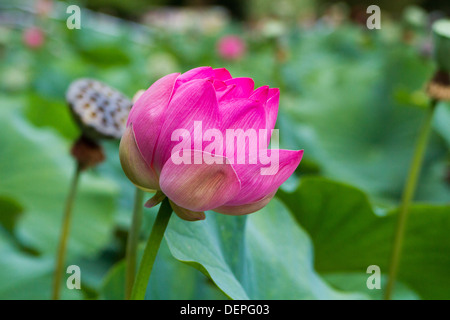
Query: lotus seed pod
{"x": 441, "y": 37}
{"x": 100, "y": 110}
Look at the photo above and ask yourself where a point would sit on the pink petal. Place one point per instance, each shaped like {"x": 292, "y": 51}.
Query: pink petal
{"x": 264, "y": 94}
{"x": 260, "y": 94}
{"x": 192, "y": 101}
{"x": 273, "y": 100}
{"x": 134, "y": 165}
{"x": 245, "y": 208}
{"x": 195, "y": 74}
{"x": 222, "y": 92}
{"x": 219, "y": 85}
{"x": 242, "y": 114}
{"x": 255, "y": 186}
{"x": 240, "y": 88}
{"x": 199, "y": 187}
{"x": 222, "y": 74}
{"x": 273, "y": 92}
{"x": 146, "y": 114}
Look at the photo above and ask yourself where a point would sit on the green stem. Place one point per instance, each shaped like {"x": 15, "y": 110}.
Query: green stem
{"x": 408, "y": 194}
{"x": 62, "y": 247}
{"x": 132, "y": 242}
{"x": 151, "y": 249}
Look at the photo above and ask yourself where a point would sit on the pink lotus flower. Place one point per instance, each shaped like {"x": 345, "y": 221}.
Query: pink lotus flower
{"x": 33, "y": 37}
{"x": 231, "y": 47}
{"x": 218, "y": 102}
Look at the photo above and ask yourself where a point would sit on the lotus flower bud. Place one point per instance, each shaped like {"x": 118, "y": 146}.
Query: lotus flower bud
{"x": 200, "y": 138}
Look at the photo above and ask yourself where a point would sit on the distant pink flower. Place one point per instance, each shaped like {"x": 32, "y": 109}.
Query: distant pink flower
{"x": 33, "y": 37}
{"x": 44, "y": 7}
{"x": 220, "y": 103}
{"x": 231, "y": 47}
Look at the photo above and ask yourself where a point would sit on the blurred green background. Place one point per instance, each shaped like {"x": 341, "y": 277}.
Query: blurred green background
{"x": 351, "y": 97}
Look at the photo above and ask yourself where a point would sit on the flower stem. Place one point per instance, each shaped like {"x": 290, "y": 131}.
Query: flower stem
{"x": 62, "y": 247}
{"x": 408, "y": 194}
{"x": 132, "y": 242}
{"x": 151, "y": 249}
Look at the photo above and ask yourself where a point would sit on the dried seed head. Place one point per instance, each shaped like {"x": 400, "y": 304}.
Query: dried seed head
{"x": 100, "y": 110}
